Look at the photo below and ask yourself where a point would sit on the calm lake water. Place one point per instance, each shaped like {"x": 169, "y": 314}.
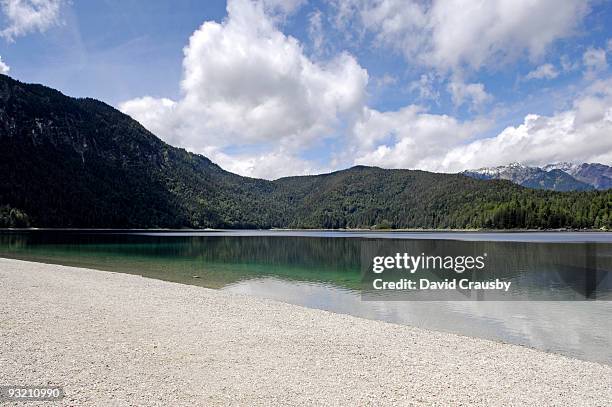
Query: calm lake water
{"x": 323, "y": 270}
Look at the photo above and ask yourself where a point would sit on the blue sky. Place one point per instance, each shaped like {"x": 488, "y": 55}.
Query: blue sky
{"x": 283, "y": 87}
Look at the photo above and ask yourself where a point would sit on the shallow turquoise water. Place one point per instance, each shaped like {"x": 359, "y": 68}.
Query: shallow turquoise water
{"x": 322, "y": 270}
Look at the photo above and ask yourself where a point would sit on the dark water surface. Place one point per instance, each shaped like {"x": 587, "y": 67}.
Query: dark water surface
{"x": 322, "y": 270}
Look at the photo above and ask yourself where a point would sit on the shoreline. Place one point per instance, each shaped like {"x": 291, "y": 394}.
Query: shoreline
{"x": 113, "y": 338}
{"x": 357, "y": 230}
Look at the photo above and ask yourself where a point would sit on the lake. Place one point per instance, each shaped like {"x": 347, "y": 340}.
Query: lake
{"x": 322, "y": 269}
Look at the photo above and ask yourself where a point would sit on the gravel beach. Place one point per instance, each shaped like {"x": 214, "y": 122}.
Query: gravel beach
{"x": 119, "y": 339}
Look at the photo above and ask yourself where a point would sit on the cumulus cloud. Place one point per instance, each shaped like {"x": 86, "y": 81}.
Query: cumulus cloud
{"x": 580, "y": 134}
{"x": 409, "y": 137}
{"x": 246, "y": 83}
{"x": 315, "y": 31}
{"x": 455, "y": 38}
{"x": 546, "y": 71}
{"x": 473, "y": 93}
{"x": 253, "y": 100}
{"x": 4, "y": 68}
{"x": 26, "y": 16}
{"x": 272, "y": 164}
{"x": 594, "y": 60}
{"x": 568, "y": 65}
{"x": 385, "y": 80}
{"x": 283, "y": 7}
{"x": 156, "y": 114}
{"x": 426, "y": 87}
{"x": 454, "y": 34}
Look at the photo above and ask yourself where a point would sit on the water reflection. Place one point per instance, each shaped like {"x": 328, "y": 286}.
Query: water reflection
{"x": 535, "y": 271}
{"x": 323, "y": 271}
{"x": 581, "y": 329}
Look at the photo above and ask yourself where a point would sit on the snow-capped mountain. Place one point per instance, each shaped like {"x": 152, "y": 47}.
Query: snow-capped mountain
{"x": 563, "y": 166}
{"x": 515, "y": 172}
{"x": 564, "y": 176}
{"x": 597, "y": 175}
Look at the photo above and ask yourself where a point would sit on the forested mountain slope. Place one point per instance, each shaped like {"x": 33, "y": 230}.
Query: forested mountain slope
{"x": 69, "y": 162}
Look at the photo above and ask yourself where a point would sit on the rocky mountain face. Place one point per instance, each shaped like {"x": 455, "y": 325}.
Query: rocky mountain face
{"x": 554, "y": 177}
{"x": 597, "y": 175}
{"x": 68, "y": 162}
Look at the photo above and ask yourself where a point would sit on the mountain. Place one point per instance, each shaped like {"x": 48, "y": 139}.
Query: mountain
{"x": 554, "y": 177}
{"x": 556, "y": 180}
{"x": 70, "y": 162}
{"x": 514, "y": 172}
{"x": 80, "y": 163}
{"x": 597, "y": 175}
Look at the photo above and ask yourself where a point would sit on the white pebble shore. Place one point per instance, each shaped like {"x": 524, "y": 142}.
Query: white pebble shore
{"x": 123, "y": 340}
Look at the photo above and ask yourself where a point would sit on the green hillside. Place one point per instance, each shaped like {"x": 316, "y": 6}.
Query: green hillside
{"x": 69, "y": 162}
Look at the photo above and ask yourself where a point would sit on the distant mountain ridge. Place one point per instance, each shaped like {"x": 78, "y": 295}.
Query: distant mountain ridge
{"x": 595, "y": 174}
{"x": 562, "y": 176}
{"x": 80, "y": 163}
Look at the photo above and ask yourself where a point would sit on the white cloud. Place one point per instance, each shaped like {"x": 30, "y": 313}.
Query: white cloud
{"x": 473, "y": 93}
{"x": 385, "y": 80}
{"x": 253, "y": 101}
{"x": 546, "y": 71}
{"x": 25, "y": 16}
{"x": 455, "y": 38}
{"x": 567, "y": 64}
{"x": 315, "y": 31}
{"x": 426, "y": 87}
{"x": 245, "y": 83}
{"x": 455, "y": 33}
{"x": 270, "y": 165}
{"x": 4, "y": 68}
{"x": 157, "y": 115}
{"x": 409, "y": 137}
{"x": 594, "y": 60}
{"x": 580, "y": 134}
{"x": 283, "y": 7}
